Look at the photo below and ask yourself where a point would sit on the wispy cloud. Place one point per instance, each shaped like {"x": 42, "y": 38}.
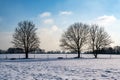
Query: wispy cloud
{"x": 45, "y": 14}
{"x": 105, "y": 20}
{"x": 65, "y": 12}
{"x": 48, "y": 21}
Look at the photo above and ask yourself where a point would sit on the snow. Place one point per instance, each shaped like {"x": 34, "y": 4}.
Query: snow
{"x": 43, "y": 56}
{"x": 2, "y": 56}
{"x": 103, "y": 68}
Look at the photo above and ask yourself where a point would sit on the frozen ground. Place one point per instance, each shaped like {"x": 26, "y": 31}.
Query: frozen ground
{"x": 60, "y": 69}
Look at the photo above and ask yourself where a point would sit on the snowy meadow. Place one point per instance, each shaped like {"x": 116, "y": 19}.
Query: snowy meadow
{"x": 106, "y": 67}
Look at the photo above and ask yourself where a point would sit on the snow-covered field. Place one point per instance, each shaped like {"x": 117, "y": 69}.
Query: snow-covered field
{"x": 103, "y": 68}
{"x": 43, "y": 56}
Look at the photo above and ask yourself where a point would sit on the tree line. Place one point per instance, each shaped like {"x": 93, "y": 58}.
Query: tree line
{"x": 76, "y": 38}
{"x": 108, "y": 50}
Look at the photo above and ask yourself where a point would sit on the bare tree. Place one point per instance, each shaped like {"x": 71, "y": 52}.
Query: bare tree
{"x": 98, "y": 39}
{"x": 25, "y": 37}
{"x": 75, "y": 37}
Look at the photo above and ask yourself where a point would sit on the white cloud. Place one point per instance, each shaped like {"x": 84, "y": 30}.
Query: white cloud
{"x": 65, "y": 13}
{"x": 50, "y": 37}
{"x": 45, "y": 14}
{"x": 48, "y": 21}
{"x": 54, "y": 28}
{"x": 105, "y": 20}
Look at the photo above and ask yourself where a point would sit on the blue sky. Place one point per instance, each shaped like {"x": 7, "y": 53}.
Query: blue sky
{"x": 52, "y": 17}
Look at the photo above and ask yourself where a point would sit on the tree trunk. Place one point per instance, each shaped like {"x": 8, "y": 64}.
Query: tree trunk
{"x": 26, "y": 54}
{"x": 78, "y": 53}
{"x": 95, "y": 54}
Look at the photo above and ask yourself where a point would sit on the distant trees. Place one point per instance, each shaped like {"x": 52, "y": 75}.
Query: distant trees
{"x": 98, "y": 39}
{"x": 79, "y": 34}
{"x": 75, "y": 37}
{"x": 25, "y": 37}
{"x": 117, "y": 49}
{"x": 2, "y": 51}
{"x": 15, "y": 50}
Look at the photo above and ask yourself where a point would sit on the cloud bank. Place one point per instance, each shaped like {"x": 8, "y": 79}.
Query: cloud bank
{"x": 5, "y": 40}
{"x": 50, "y": 37}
